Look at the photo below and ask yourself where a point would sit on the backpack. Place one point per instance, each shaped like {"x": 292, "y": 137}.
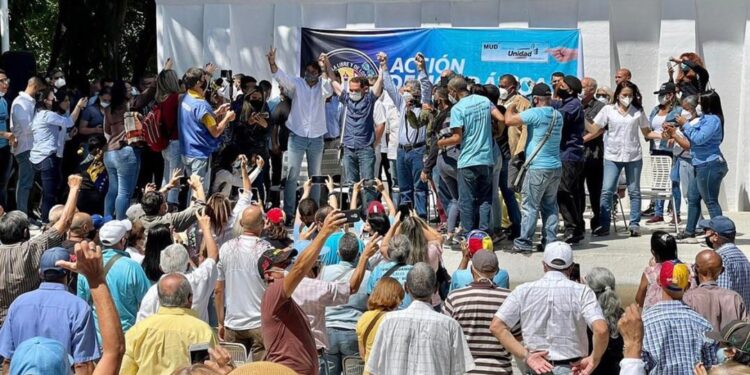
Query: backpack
{"x": 154, "y": 133}
{"x": 133, "y": 129}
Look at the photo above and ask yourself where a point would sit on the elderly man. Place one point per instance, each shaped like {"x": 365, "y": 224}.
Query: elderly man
{"x": 419, "y": 340}
{"x": 593, "y": 153}
{"x": 81, "y": 228}
{"x": 159, "y": 344}
{"x": 155, "y": 208}
{"x": 720, "y": 233}
{"x": 554, "y": 313}
{"x": 718, "y": 305}
{"x": 175, "y": 259}
{"x": 19, "y": 253}
{"x": 472, "y": 308}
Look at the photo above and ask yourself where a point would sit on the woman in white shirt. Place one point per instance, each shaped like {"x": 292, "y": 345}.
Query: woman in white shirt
{"x": 620, "y": 122}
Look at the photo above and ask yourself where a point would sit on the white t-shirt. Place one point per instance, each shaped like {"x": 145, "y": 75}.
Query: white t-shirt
{"x": 135, "y": 255}
{"x": 386, "y": 112}
{"x": 622, "y": 141}
{"x": 202, "y": 281}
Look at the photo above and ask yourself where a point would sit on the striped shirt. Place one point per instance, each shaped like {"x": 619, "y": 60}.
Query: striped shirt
{"x": 736, "y": 275}
{"x": 19, "y": 272}
{"x": 474, "y": 307}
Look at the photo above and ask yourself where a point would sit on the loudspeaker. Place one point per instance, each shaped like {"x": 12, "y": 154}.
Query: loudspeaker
{"x": 19, "y": 66}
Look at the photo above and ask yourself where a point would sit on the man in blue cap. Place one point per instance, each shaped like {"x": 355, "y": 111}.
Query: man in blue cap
{"x": 720, "y": 233}
{"x": 51, "y": 312}
{"x": 41, "y": 356}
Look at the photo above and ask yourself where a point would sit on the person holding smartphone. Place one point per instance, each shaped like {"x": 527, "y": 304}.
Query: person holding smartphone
{"x": 250, "y": 133}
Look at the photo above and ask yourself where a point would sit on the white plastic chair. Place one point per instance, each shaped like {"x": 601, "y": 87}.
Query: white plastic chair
{"x": 238, "y": 352}
{"x": 354, "y": 365}
{"x": 661, "y": 183}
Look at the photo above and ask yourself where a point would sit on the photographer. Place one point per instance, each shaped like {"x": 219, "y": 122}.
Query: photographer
{"x": 251, "y": 132}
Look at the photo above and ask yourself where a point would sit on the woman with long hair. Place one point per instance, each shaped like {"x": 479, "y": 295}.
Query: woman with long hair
{"x": 427, "y": 246}
{"x": 251, "y": 132}
{"x": 136, "y": 242}
{"x": 158, "y": 237}
{"x": 49, "y": 130}
{"x": 692, "y": 76}
{"x": 386, "y": 297}
{"x": 602, "y": 282}
{"x": 167, "y": 101}
{"x": 665, "y": 112}
{"x": 663, "y": 249}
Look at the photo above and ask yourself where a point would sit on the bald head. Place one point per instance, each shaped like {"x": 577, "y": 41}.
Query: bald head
{"x": 708, "y": 264}
{"x": 622, "y": 75}
{"x": 54, "y": 213}
{"x": 174, "y": 291}
{"x": 252, "y": 219}
{"x": 82, "y": 224}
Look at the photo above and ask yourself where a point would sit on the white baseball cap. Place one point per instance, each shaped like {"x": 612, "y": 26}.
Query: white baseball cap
{"x": 113, "y": 231}
{"x": 558, "y": 255}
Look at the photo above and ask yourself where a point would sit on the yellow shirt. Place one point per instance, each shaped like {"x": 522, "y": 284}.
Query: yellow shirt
{"x": 159, "y": 344}
{"x": 207, "y": 119}
{"x": 362, "y": 325}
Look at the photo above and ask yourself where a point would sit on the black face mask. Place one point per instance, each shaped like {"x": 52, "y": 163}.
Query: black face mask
{"x": 563, "y": 94}
{"x": 203, "y": 85}
{"x": 91, "y": 235}
{"x": 257, "y": 105}
{"x": 709, "y": 243}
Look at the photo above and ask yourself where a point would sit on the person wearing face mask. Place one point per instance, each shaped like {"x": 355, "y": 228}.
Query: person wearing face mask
{"x": 512, "y": 142}
{"x": 569, "y": 195}
{"x": 692, "y": 76}
{"x": 604, "y": 95}
{"x": 622, "y": 150}
{"x": 251, "y": 132}
{"x": 58, "y": 81}
{"x": 358, "y": 100}
{"x": 167, "y": 98}
{"x": 555, "y": 80}
{"x": 663, "y": 113}
{"x": 306, "y": 122}
{"x": 95, "y": 178}
{"x": 6, "y": 139}
{"x": 593, "y": 152}
{"x": 92, "y": 119}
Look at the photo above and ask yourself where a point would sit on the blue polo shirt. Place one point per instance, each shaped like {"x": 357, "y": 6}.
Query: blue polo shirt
{"x": 126, "y": 282}
{"x": 571, "y": 145}
{"x": 473, "y": 114}
{"x": 360, "y": 128}
{"x": 195, "y": 140}
{"x": 52, "y": 312}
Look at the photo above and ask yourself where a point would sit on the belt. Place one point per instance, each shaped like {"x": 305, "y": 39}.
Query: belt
{"x": 565, "y": 362}
{"x": 411, "y": 147}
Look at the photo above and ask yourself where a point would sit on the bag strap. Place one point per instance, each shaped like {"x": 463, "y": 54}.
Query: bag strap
{"x": 110, "y": 263}
{"x": 542, "y": 142}
{"x": 393, "y": 269}
{"x": 370, "y": 327}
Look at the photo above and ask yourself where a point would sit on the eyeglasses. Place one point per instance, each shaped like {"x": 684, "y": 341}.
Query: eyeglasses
{"x": 5, "y": 80}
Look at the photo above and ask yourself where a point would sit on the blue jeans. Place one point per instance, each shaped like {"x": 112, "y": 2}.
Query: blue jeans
{"x": 705, "y": 186}
{"x": 557, "y": 370}
{"x": 51, "y": 177}
{"x": 393, "y": 165}
{"x": 475, "y": 191}
{"x": 496, "y": 218}
{"x": 359, "y": 164}
{"x": 299, "y": 147}
{"x": 684, "y": 174}
{"x": 172, "y": 161}
{"x": 633, "y": 177}
{"x": 448, "y": 170}
{"x": 341, "y": 343}
{"x": 511, "y": 204}
{"x": 6, "y": 165}
{"x": 539, "y": 194}
{"x": 122, "y": 168}
{"x": 411, "y": 189}
{"x": 200, "y": 167}
{"x": 25, "y": 181}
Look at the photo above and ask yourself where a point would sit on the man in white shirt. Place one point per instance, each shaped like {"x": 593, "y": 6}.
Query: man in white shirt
{"x": 554, "y": 313}
{"x": 306, "y": 123}
{"x": 243, "y": 286}
{"x": 386, "y": 115}
{"x": 202, "y": 280}
{"x": 21, "y": 113}
{"x": 419, "y": 340}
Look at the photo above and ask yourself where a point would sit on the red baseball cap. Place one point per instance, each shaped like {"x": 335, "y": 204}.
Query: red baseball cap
{"x": 674, "y": 276}
{"x": 375, "y": 208}
{"x": 275, "y": 215}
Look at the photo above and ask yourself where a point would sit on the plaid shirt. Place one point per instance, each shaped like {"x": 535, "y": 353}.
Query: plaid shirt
{"x": 674, "y": 339}
{"x": 736, "y": 275}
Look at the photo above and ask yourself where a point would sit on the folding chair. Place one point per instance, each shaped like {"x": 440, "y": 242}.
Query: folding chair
{"x": 237, "y": 351}
{"x": 354, "y": 365}
{"x": 661, "y": 183}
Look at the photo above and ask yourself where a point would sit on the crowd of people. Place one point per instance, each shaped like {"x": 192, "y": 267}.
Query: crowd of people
{"x": 180, "y": 227}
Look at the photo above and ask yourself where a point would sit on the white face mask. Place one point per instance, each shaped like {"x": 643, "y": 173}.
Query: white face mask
{"x": 452, "y": 99}
{"x": 663, "y": 100}
{"x": 602, "y": 99}
{"x": 60, "y": 82}
{"x": 407, "y": 97}
{"x": 355, "y": 96}
{"x": 699, "y": 110}
{"x": 504, "y": 93}
{"x": 134, "y": 91}
{"x": 625, "y": 101}
{"x": 237, "y": 164}
{"x": 104, "y": 104}
{"x": 2, "y": 94}
{"x": 686, "y": 115}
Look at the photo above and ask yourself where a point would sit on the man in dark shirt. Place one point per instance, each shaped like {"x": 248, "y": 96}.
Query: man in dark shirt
{"x": 593, "y": 153}
{"x": 571, "y": 155}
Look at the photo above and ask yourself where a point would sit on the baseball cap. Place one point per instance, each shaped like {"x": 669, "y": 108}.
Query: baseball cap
{"x": 113, "y": 231}
{"x": 275, "y": 215}
{"x": 722, "y": 225}
{"x": 541, "y": 89}
{"x": 98, "y": 221}
{"x": 274, "y": 257}
{"x": 558, "y": 255}
{"x": 375, "y": 208}
{"x": 49, "y": 258}
{"x": 666, "y": 88}
{"x": 674, "y": 275}
{"x": 40, "y": 356}
{"x": 485, "y": 261}
{"x": 735, "y": 334}
{"x": 573, "y": 83}
{"x": 478, "y": 240}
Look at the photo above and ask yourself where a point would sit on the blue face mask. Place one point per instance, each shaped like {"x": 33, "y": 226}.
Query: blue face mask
{"x": 722, "y": 355}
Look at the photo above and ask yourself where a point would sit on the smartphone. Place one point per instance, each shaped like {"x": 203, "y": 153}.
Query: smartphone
{"x": 405, "y": 210}
{"x": 368, "y": 183}
{"x": 226, "y": 74}
{"x": 352, "y": 216}
{"x": 263, "y": 114}
{"x": 199, "y": 353}
{"x": 319, "y": 179}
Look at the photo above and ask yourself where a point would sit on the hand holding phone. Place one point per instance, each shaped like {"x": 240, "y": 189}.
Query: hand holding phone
{"x": 318, "y": 179}
{"x": 199, "y": 353}
{"x": 352, "y": 216}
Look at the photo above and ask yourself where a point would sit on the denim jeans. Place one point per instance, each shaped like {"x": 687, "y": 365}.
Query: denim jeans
{"x": 51, "y": 177}
{"x": 200, "y": 167}
{"x": 475, "y": 191}
{"x": 6, "y": 164}
{"x": 705, "y": 186}
{"x": 299, "y": 147}
{"x": 359, "y": 164}
{"x": 509, "y": 197}
{"x": 557, "y": 370}
{"x": 393, "y": 166}
{"x": 609, "y": 186}
{"x": 684, "y": 175}
{"x": 496, "y": 216}
{"x": 341, "y": 343}
{"x": 172, "y": 161}
{"x": 25, "y": 181}
{"x": 447, "y": 167}
{"x": 122, "y": 168}
{"x": 411, "y": 189}
{"x": 539, "y": 194}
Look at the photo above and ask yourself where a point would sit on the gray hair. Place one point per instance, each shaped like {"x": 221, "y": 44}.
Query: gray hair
{"x": 691, "y": 101}
{"x": 13, "y": 227}
{"x": 177, "y": 297}
{"x": 593, "y": 82}
{"x": 602, "y": 282}
{"x": 421, "y": 281}
{"x": 399, "y": 248}
{"x": 348, "y": 247}
{"x": 416, "y": 89}
{"x": 174, "y": 258}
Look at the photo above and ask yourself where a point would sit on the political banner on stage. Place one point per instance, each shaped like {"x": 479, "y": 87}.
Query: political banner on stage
{"x": 532, "y": 55}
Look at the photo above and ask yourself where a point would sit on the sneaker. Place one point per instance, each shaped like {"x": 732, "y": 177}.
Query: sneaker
{"x": 573, "y": 239}
{"x": 655, "y": 219}
{"x": 517, "y": 249}
{"x": 649, "y": 211}
{"x": 600, "y": 232}
{"x": 684, "y": 237}
{"x": 498, "y": 237}
{"x": 635, "y": 233}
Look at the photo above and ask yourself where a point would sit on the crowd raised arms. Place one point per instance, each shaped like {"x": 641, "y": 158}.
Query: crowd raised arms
{"x": 186, "y": 233}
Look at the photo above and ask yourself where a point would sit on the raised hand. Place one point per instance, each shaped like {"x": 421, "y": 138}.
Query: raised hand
{"x": 74, "y": 181}
{"x": 332, "y": 223}
{"x": 204, "y": 221}
{"x": 271, "y": 56}
{"x": 168, "y": 64}
{"x": 88, "y": 262}
{"x": 383, "y": 60}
